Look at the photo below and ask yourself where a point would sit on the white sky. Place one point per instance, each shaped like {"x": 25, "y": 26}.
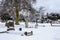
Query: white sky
{"x": 0, "y": 0}
{"x": 50, "y": 5}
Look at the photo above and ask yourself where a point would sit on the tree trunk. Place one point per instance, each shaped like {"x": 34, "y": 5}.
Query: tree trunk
{"x": 17, "y": 15}
{"x": 26, "y": 23}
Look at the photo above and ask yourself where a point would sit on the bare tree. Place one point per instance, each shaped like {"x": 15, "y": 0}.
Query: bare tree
{"x": 18, "y": 5}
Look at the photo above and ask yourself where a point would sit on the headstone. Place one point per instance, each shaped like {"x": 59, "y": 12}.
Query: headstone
{"x": 36, "y": 26}
{"x": 28, "y": 33}
{"x": 10, "y": 29}
{"x": 10, "y": 25}
{"x": 20, "y": 29}
{"x": 25, "y": 33}
{"x": 22, "y": 34}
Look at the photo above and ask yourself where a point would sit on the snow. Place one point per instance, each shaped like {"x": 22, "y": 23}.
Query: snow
{"x": 41, "y": 33}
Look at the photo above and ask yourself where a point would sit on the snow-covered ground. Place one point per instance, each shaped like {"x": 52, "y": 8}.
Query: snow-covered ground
{"x": 43, "y": 32}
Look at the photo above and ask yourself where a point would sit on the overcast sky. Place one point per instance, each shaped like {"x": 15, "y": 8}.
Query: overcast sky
{"x": 50, "y": 5}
